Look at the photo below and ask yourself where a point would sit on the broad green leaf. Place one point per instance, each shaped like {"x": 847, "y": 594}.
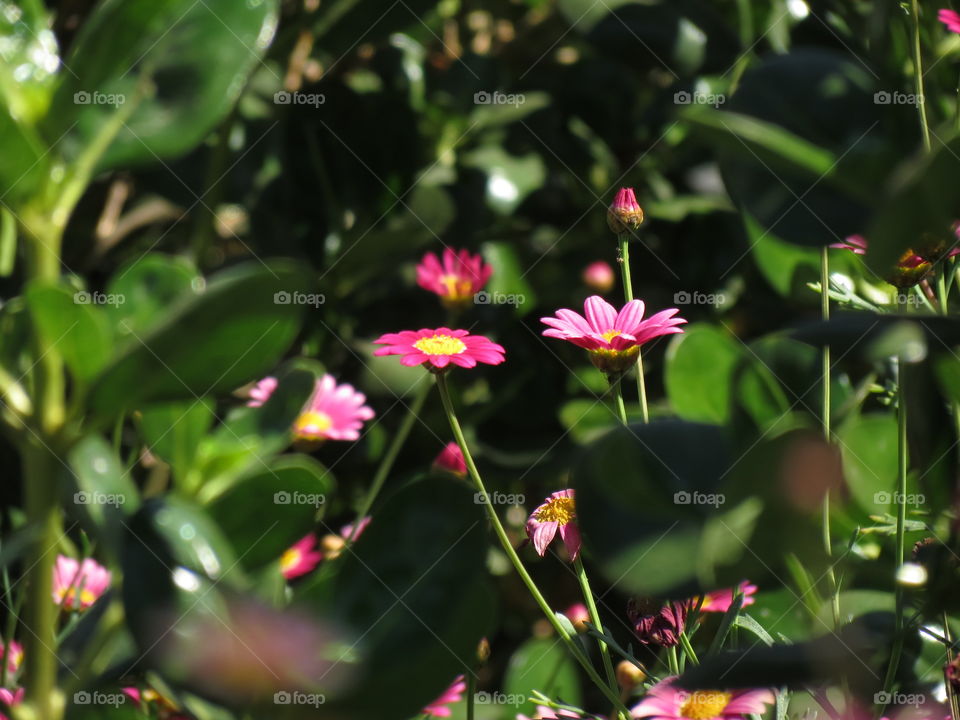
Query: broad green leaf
{"x": 174, "y": 431}
{"x": 699, "y": 373}
{"x": 151, "y": 286}
{"x": 510, "y": 178}
{"x": 25, "y": 161}
{"x": 540, "y": 664}
{"x": 508, "y": 284}
{"x": 868, "y": 444}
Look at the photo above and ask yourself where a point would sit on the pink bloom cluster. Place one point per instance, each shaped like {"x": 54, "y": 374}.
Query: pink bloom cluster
{"x": 666, "y": 701}
{"x": 453, "y": 694}
{"x": 78, "y": 585}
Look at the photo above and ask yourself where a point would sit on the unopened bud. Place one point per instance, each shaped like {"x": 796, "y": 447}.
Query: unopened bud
{"x": 624, "y": 214}
{"x": 629, "y": 675}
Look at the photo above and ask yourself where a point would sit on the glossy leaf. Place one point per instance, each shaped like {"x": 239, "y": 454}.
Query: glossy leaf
{"x": 699, "y": 374}
{"x": 540, "y": 664}
{"x": 151, "y": 286}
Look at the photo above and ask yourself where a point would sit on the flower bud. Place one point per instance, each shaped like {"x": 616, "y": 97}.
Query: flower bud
{"x": 483, "y": 651}
{"x": 624, "y": 214}
{"x": 579, "y": 616}
{"x": 629, "y": 675}
{"x": 598, "y": 276}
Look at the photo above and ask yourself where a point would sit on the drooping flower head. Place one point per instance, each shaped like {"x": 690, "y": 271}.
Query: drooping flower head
{"x": 453, "y": 694}
{"x": 456, "y": 279}
{"x": 949, "y": 18}
{"x": 720, "y": 600}
{"x": 335, "y": 412}
{"x": 612, "y": 339}
{"x": 599, "y": 277}
{"x": 557, "y": 513}
{"x": 261, "y": 392}
{"x": 300, "y": 558}
{"x": 78, "y": 585}
{"x": 658, "y": 624}
{"x": 666, "y": 701}
{"x": 438, "y": 348}
{"x": 624, "y": 213}
{"x": 451, "y": 460}
{"x": 14, "y": 656}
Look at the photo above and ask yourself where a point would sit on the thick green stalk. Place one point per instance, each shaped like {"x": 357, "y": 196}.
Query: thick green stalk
{"x": 827, "y": 436}
{"x": 918, "y": 73}
{"x": 595, "y": 619}
{"x": 507, "y": 546}
{"x": 624, "y": 240}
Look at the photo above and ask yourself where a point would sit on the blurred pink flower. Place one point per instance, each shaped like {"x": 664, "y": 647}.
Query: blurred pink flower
{"x": 721, "y": 600}
{"x": 78, "y": 584}
{"x": 856, "y": 244}
{"x": 149, "y": 698}
{"x": 302, "y": 557}
{"x": 557, "y": 513}
{"x": 599, "y": 277}
{"x": 451, "y": 460}
{"x": 261, "y": 392}
{"x": 950, "y": 19}
{"x": 453, "y": 694}
{"x": 10, "y": 698}
{"x": 624, "y": 213}
{"x": 666, "y": 701}
{"x": 335, "y": 412}
{"x": 14, "y": 656}
{"x": 613, "y": 339}
{"x": 578, "y": 615}
{"x": 457, "y": 278}
{"x": 545, "y": 713}
{"x": 347, "y": 530}
{"x": 438, "y": 348}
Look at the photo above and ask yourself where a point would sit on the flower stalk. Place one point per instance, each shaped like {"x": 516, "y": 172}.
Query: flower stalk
{"x": 595, "y": 619}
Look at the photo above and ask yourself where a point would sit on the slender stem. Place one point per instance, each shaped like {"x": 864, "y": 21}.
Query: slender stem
{"x": 688, "y": 648}
{"x": 951, "y": 695}
{"x": 507, "y": 546}
{"x": 942, "y": 285}
{"x": 595, "y": 619}
{"x": 624, "y": 261}
{"x": 617, "y": 392}
{"x": 471, "y": 691}
{"x": 390, "y": 456}
{"x": 918, "y": 73}
{"x": 672, "y": 661}
{"x": 827, "y": 436}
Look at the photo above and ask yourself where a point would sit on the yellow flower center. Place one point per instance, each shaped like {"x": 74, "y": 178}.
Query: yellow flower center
{"x": 457, "y": 288}
{"x": 440, "y": 345}
{"x": 560, "y": 510}
{"x": 610, "y": 334}
{"x": 704, "y": 704}
{"x": 312, "y": 422}
{"x": 68, "y": 598}
{"x": 289, "y": 559}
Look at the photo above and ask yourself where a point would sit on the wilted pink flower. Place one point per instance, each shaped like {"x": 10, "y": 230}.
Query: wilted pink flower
{"x": 335, "y": 412}
{"x": 950, "y": 19}
{"x": 599, "y": 277}
{"x": 14, "y": 656}
{"x": 624, "y": 213}
{"x": 456, "y": 279}
{"x": 666, "y": 701}
{"x": 721, "y": 600}
{"x": 557, "y": 513}
{"x": 302, "y": 557}
{"x": 657, "y": 624}
{"x": 613, "y": 339}
{"x": 10, "y": 698}
{"x": 78, "y": 585}
{"x": 261, "y": 392}
{"x": 451, "y": 460}
{"x": 438, "y": 348}
{"x": 453, "y": 694}
{"x": 578, "y": 615}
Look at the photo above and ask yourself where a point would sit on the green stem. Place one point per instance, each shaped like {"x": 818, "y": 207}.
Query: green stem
{"x": 827, "y": 436}
{"x": 942, "y": 286}
{"x": 918, "y": 73}
{"x": 672, "y": 663}
{"x": 595, "y": 619}
{"x": 688, "y": 648}
{"x": 471, "y": 691}
{"x": 624, "y": 246}
{"x": 507, "y": 546}
{"x": 386, "y": 464}
{"x": 617, "y": 392}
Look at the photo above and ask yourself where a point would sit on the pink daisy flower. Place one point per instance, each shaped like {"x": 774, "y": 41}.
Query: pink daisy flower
{"x": 453, "y": 694}
{"x": 612, "y": 339}
{"x": 438, "y": 348}
{"x": 78, "y": 585}
{"x": 599, "y": 277}
{"x": 665, "y": 701}
{"x": 721, "y": 600}
{"x": 302, "y": 557}
{"x": 14, "y": 656}
{"x": 335, "y": 412}
{"x": 456, "y": 279}
{"x": 261, "y": 392}
{"x": 557, "y": 513}
{"x": 950, "y": 19}
{"x": 624, "y": 213}
{"x": 451, "y": 460}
